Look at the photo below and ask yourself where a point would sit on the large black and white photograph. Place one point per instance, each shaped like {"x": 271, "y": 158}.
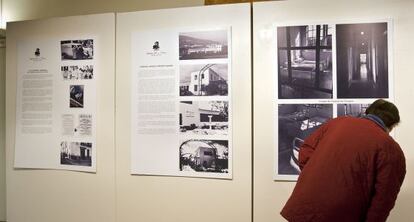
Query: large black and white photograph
{"x": 296, "y": 122}
{"x": 204, "y": 156}
{"x": 355, "y": 110}
{"x": 76, "y": 96}
{"x": 305, "y": 61}
{"x": 77, "y": 49}
{"x": 203, "y": 45}
{"x": 204, "y": 118}
{"x": 76, "y": 153}
{"x": 75, "y": 72}
{"x": 362, "y": 60}
{"x": 207, "y": 79}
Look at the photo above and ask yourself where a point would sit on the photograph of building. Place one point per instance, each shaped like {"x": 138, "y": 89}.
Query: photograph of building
{"x": 204, "y": 117}
{"x": 296, "y": 122}
{"x": 304, "y": 61}
{"x": 76, "y": 49}
{"x": 204, "y": 156}
{"x": 76, "y": 153}
{"x": 362, "y": 60}
{"x": 204, "y": 80}
{"x": 203, "y": 45}
{"x": 356, "y": 110}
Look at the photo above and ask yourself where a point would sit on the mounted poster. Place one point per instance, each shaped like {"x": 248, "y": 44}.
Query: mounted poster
{"x": 325, "y": 70}
{"x": 181, "y": 103}
{"x": 56, "y": 103}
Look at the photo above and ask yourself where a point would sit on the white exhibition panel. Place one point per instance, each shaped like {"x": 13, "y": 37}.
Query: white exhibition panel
{"x": 160, "y": 198}
{"x": 46, "y": 195}
{"x": 269, "y": 195}
{"x": 2, "y": 135}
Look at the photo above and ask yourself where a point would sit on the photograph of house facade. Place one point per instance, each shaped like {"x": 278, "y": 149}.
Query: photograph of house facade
{"x": 304, "y": 61}
{"x": 204, "y": 117}
{"x": 203, "y": 45}
{"x": 203, "y": 80}
{"x": 76, "y": 153}
{"x": 362, "y": 60}
{"x": 204, "y": 156}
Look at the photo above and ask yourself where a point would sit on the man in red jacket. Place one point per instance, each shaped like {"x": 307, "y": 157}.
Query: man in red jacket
{"x": 352, "y": 170}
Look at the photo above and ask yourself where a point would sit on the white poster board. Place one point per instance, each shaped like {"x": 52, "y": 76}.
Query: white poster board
{"x": 56, "y": 103}
{"x": 325, "y": 70}
{"x": 181, "y": 102}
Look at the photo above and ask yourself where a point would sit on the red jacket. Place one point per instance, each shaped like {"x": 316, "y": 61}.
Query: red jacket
{"x": 352, "y": 170}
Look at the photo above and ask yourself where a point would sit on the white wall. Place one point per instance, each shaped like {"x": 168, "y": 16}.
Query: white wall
{"x": 270, "y": 196}
{"x": 165, "y": 199}
{"x": 18, "y": 10}
{"x": 57, "y": 195}
{"x": 2, "y": 133}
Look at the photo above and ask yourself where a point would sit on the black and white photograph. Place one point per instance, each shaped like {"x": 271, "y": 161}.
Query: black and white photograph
{"x": 305, "y": 62}
{"x": 75, "y": 72}
{"x": 76, "y": 153}
{"x": 362, "y": 60}
{"x": 204, "y": 80}
{"x": 204, "y": 118}
{"x": 203, "y": 45}
{"x": 296, "y": 122}
{"x": 76, "y": 96}
{"x": 76, "y": 49}
{"x": 204, "y": 156}
{"x": 355, "y": 110}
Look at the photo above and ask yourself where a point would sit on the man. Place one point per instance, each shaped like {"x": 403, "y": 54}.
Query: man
{"x": 352, "y": 170}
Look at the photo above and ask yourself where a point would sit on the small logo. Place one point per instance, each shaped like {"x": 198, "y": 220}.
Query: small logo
{"x": 156, "y": 46}
{"x": 37, "y": 52}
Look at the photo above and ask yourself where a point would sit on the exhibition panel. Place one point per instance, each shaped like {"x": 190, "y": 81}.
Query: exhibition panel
{"x": 60, "y": 72}
{"x": 314, "y": 61}
{"x": 183, "y": 101}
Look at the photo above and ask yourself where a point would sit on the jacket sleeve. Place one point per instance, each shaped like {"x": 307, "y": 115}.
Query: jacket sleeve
{"x": 310, "y": 144}
{"x": 389, "y": 178}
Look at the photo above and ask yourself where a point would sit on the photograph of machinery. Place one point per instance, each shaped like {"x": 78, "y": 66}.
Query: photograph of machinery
{"x": 204, "y": 156}
{"x": 304, "y": 61}
{"x": 356, "y": 110}
{"x": 296, "y": 122}
{"x": 362, "y": 60}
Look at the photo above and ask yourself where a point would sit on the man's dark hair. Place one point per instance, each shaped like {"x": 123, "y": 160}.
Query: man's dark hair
{"x": 385, "y": 110}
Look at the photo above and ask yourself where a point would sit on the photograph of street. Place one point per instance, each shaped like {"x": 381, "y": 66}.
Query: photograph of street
{"x": 76, "y": 153}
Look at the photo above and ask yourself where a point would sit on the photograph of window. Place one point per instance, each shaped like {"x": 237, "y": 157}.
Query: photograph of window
{"x": 362, "y": 60}
{"x": 304, "y": 61}
{"x": 296, "y": 122}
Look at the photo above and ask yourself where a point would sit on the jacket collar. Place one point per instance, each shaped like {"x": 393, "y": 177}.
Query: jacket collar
{"x": 376, "y": 120}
